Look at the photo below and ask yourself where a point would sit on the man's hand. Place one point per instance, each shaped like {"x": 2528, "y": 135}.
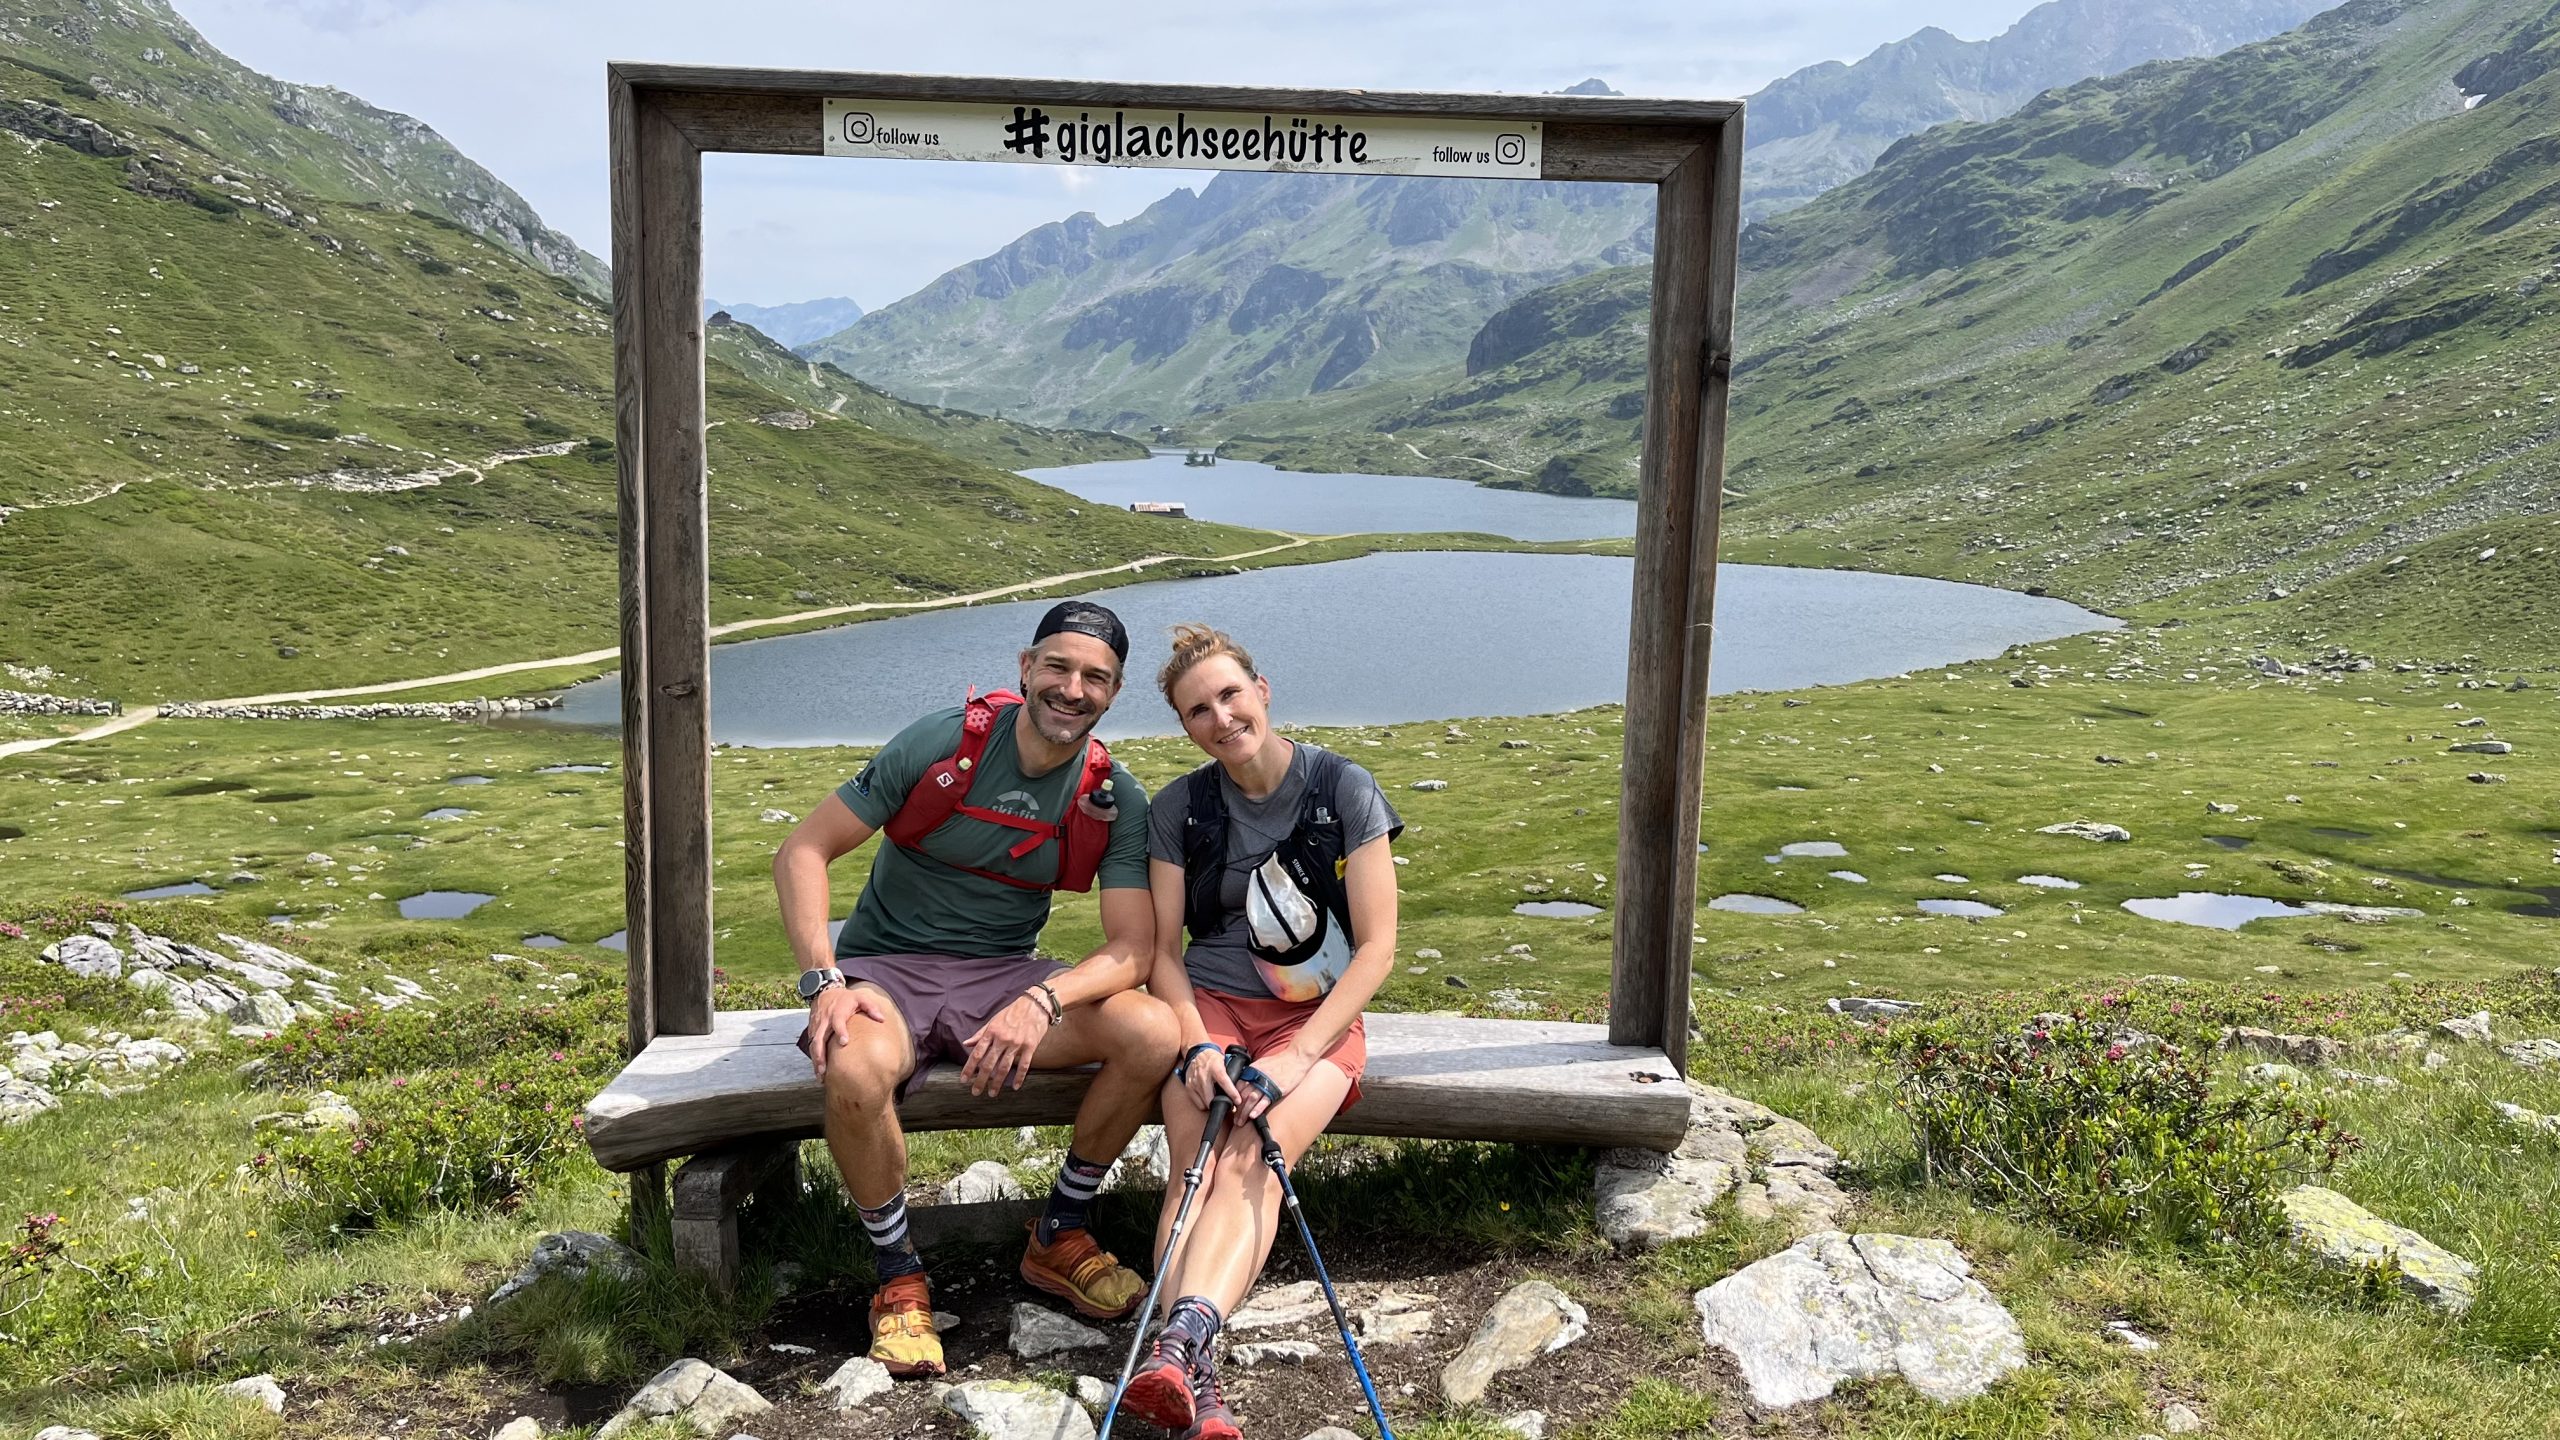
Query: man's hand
{"x": 831, "y": 1018}
{"x": 1000, "y": 1053}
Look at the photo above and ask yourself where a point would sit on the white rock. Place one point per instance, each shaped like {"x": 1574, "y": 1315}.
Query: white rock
{"x": 86, "y": 956}
{"x": 523, "y": 1427}
{"x": 1395, "y": 1318}
{"x": 706, "y": 1399}
{"x": 855, "y": 1383}
{"x": 778, "y": 817}
{"x": 1093, "y": 1394}
{"x": 1039, "y": 1331}
{"x": 65, "y": 1432}
{"x": 261, "y": 1388}
{"x": 2123, "y": 1333}
{"x": 981, "y": 1182}
{"x": 1870, "y": 1005}
{"x": 2180, "y": 1418}
{"x": 1146, "y": 1165}
{"x": 1272, "y": 1352}
{"x": 1016, "y": 1410}
{"x": 1533, "y": 1319}
{"x": 572, "y": 1253}
{"x": 1837, "y": 1307}
{"x": 1531, "y": 1423}
{"x": 2087, "y": 830}
{"x": 2471, "y": 1029}
{"x": 2532, "y": 1054}
{"x": 1428, "y": 785}
{"x": 2343, "y": 1235}
{"x": 1279, "y": 1308}
{"x": 22, "y": 1100}
{"x": 2524, "y": 1119}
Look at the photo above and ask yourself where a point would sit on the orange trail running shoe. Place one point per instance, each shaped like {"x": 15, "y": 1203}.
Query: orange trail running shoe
{"x": 1081, "y": 1273}
{"x": 902, "y": 1334}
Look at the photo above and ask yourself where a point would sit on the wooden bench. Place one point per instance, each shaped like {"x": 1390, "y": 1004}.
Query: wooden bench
{"x": 742, "y": 1097}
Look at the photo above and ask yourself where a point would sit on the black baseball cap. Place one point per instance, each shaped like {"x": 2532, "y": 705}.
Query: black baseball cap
{"x": 1085, "y": 618}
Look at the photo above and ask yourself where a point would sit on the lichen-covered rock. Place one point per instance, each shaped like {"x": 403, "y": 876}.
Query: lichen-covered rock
{"x": 1772, "y": 1165}
{"x": 1039, "y": 1331}
{"x": 259, "y": 1390}
{"x": 22, "y": 1100}
{"x": 857, "y": 1382}
{"x": 2524, "y": 1119}
{"x": 2533, "y": 1054}
{"x": 2294, "y": 1049}
{"x": 2087, "y": 830}
{"x": 1534, "y": 1318}
{"x": 572, "y": 1253}
{"x": 86, "y": 956}
{"x": 1837, "y": 1307}
{"x": 2344, "y": 1235}
{"x": 708, "y": 1400}
{"x": 2472, "y": 1029}
{"x": 1016, "y": 1410}
{"x": 981, "y": 1182}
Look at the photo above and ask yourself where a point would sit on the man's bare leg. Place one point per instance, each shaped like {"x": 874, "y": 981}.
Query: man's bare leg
{"x": 870, "y": 1150}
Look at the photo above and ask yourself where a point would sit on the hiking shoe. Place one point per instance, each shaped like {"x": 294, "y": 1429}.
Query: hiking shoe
{"x": 1210, "y": 1417}
{"x": 1160, "y": 1392}
{"x": 902, "y": 1334}
{"x": 1081, "y": 1273}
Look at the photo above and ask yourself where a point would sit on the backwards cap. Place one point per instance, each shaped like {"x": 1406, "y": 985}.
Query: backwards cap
{"x": 1085, "y": 618}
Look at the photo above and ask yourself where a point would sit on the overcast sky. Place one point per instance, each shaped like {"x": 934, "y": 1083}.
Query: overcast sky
{"x": 518, "y": 85}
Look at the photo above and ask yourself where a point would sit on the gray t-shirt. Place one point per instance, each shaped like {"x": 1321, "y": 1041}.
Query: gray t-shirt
{"x": 1224, "y": 961}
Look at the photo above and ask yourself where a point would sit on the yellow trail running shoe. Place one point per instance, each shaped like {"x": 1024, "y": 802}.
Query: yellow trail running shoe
{"x": 902, "y": 1335}
{"x": 1081, "y": 1273}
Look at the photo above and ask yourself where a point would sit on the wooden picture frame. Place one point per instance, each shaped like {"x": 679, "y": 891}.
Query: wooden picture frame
{"x": 662, "y": 118}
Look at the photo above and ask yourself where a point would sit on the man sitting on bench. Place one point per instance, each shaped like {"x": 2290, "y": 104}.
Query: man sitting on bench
{"x": 986, "y": 808}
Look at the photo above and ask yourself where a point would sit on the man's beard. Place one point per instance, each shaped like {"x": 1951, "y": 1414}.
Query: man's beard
{"x": 1048, "y": 721}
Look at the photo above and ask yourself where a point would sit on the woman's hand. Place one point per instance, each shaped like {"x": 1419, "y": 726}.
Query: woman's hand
{"x": 1204, "y": 1078}
{"x": 1284, "y": 1068}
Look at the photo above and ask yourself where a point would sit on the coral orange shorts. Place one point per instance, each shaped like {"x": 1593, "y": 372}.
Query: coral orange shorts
{"x": 1262, "y": 1025}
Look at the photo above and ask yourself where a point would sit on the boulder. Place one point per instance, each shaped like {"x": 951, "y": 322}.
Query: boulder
{"x": 1871, "y": 1006}
{"x": 1039, "y": 1331}
{"x": 2296, "y": 1049}
{"x": 569, "y": 1252}
{"x": 86, "y": 956}
{"x": 1533, "y": 1319}
{"x": 1016, "y": 1410}
{"x": 261, "y": 1389}
{"x": 2533, "y": 1054}
{"x": 1395, "y": 1318}
{"x": 1146, "y": 1165}
{"x": 705, "y": 1399}
{"x": 2339, "y": 1233}
{"x": 981, "y": 1182}
{"x": 856, "y": 1382}
{"x": 2472, "y": 1029}
{"x": 1837, "y": 1307}
{"x": 22, "y": 1100}
{"x": 2087, "y": 830}
{"x": 2528, "y": 1120}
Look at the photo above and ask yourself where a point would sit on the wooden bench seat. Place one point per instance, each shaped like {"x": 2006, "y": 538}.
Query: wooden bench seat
{"x": 1436, "y": 1077}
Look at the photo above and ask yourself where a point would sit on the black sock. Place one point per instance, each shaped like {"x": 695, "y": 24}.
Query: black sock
{"x": 893, "y": 1252}
{"x": 1071, "y": 1199}
{"x": 1196, "y": 1321}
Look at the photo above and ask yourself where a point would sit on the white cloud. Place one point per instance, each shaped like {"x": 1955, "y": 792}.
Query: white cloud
{"x": 520, "y": 88}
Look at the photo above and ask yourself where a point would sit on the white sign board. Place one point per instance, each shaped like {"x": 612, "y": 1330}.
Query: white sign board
{"x": 1184, "y": 139}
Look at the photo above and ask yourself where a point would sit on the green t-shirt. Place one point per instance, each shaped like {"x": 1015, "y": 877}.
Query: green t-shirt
{"x": 920, "y": 904}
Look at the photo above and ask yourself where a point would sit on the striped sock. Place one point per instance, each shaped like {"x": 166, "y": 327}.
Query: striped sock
{"x": 893, "y": 1253}
{"x": 1071, "y": 1199}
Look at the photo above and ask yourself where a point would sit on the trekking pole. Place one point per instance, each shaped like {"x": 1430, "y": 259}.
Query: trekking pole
{"x": 1210, "y": 1134}
{"x": 1279, "y": 1164}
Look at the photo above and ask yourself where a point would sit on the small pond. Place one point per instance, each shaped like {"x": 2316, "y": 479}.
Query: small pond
{"x": 468, "y": 780}
{"x": 446, "y": 812}
{"x": 1555, "y": 909}
{"x": 574, "y": 770}
{"x": 1755, "y": 905}
{"x": 1969, "y": 909}
{"x": 164, "y": 892}
{"x": 1952, "y": 879}
{"x": 2217, "y": 912}
{"x": 1808, "y": 850}
{"x": 12, "y": 832}
{"x": 2231, "y": 842}
{"x": 618, "y": 940}
{"x": 1852, "y": 876}
{"x": 542, "y": 942}
{"x": 442, "y": 904}
{"x": 2048, "y": 882}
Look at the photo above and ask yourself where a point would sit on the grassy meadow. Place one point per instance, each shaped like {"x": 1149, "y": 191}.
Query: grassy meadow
{"x": 2342, "y": 792}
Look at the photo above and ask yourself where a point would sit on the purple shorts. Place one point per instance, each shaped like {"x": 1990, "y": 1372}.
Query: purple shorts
{"x": 944, "y": 999}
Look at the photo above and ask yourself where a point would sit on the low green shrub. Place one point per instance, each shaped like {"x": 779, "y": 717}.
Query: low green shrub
{"x": 454, "y": 1144}
{"x": 2110, "y": 1141}
{"x": 296, "y": 426}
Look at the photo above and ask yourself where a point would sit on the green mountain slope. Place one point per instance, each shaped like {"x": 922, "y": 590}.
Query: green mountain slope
{"x": 312, "y": 140}
{"x": 254, "y": 439}
{"x": 1264, "y": 290}
{"x": 2221, "y": 329}
{"x": 1258, "y": 286}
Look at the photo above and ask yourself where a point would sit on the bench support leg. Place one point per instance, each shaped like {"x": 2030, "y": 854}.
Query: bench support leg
{"x": 648, "y": 1202}
{"x": 708, "y": 1192}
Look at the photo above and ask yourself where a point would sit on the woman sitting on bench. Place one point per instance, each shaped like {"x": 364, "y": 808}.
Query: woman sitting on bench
{"x": 1273, "y": 857}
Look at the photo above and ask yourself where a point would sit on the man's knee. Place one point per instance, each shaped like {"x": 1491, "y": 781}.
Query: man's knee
{"x": 860, "y": 1080}
{"x": 1142, "y": 1029}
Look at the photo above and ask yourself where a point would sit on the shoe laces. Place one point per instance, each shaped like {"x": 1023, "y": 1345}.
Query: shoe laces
{"x": 1084, "y": 1261}
{"x": 902, "y": 1309}
{"x": 1207, "y": 1392}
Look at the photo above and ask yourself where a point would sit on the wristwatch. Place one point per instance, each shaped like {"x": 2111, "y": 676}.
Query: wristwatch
{"x": 814, "y": 983}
